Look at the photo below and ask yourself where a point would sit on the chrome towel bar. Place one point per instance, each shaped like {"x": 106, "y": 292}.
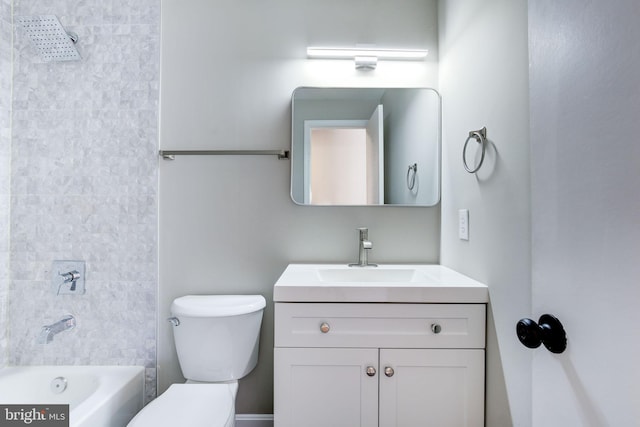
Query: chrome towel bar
{"x": 170, "y": 154}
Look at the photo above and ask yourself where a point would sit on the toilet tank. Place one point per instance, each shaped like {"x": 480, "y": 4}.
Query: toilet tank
{"x": 217, "y": 336}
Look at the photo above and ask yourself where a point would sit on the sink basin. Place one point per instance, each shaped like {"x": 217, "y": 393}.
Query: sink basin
{"x": 412, "y": 283}
{"x": 371, "y": 274}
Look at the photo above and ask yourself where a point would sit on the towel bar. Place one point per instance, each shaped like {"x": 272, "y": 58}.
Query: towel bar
{"x": 170, "y": 154}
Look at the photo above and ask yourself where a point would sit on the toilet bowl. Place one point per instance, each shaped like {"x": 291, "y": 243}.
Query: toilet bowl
{"x": 217, "y": 341}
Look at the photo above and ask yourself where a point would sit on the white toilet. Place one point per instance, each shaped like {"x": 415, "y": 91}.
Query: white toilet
{"x": 217, "y": 339}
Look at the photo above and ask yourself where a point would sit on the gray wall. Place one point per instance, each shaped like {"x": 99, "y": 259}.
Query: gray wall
{"x": 484, "y": 82}
{"x": 585, "y": 104}
{"x": 227, "y": 224}
{"x": 84, "y": 185}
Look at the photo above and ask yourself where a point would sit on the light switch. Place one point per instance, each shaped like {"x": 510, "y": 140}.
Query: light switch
{"x": 463, "y": 224}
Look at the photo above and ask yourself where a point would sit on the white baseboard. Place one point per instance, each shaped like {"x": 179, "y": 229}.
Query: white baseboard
{"x": 254, "y": 420}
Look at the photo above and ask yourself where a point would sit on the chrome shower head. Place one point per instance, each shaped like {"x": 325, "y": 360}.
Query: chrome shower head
{"x": 46, "y": 33}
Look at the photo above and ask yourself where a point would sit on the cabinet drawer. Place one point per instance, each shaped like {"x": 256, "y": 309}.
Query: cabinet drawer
{"x": 380, "y": 325}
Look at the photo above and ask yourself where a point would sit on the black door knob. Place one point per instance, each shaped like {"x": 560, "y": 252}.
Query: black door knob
{"x": 548, "y": 331}
{"x": 528, "y": 333}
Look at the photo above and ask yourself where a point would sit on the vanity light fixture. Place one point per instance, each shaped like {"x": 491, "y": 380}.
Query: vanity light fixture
{"x": 366, "y": 58}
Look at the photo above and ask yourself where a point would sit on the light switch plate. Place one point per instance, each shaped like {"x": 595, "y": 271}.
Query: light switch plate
{"x": 463, "y": 224}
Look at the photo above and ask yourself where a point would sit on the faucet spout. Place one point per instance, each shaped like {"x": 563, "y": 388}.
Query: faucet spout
{"x": 45, "y": 336}
{"x": 364, "y": 245}
{"x": 49, "y": 331}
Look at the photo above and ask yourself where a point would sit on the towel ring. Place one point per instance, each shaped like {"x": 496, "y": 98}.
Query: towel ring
{"x": 481, "y": 138}
{"x": 411, "y": 177}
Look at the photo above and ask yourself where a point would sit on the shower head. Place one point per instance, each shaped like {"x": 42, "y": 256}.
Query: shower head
{"x": 49, "y": 37}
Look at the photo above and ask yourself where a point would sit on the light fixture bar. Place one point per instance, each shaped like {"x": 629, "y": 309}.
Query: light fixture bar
{"x": 351, "y": 53}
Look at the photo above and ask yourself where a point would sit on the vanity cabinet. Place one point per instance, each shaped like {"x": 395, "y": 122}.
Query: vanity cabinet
{"x": 377, "y": 364}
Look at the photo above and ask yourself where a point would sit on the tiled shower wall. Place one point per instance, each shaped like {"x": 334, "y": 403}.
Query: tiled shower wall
{"x": 84, "y": 185}
{"x": 5, "y": 167}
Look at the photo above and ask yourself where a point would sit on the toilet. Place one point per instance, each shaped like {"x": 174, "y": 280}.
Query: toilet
{"x": 217, "y": 339}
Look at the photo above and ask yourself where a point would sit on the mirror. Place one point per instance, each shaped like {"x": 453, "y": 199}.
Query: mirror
{"x": 365, "y": 146}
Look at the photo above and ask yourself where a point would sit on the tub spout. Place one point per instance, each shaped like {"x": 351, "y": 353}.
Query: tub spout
{"x": 49, "y": 331}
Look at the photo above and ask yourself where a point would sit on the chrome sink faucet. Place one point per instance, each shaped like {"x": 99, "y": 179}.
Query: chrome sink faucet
{"x": 49, "y": 331}
{"x": 364, "y": 245}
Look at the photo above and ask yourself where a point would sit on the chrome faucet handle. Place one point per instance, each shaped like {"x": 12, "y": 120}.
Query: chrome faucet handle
{"x": 364, "y": 233}
{"x": 70, "y": 276}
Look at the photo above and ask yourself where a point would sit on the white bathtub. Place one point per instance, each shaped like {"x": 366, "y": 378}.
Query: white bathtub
{"x": 98, "y": 396}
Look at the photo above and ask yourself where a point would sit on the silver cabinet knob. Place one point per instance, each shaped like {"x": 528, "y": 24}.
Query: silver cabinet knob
{"x": 371, "y": 371}
{"x": 388, "y": 371}
{"x": 324, "y": 327}
{"x": 435, "y": 328}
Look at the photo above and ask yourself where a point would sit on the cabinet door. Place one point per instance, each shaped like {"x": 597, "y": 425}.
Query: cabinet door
{"x": 439, "y": 388}
{"x": 325, "y": 387}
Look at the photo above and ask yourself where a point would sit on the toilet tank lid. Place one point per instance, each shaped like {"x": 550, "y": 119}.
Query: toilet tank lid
{"x": 217, "y": 305}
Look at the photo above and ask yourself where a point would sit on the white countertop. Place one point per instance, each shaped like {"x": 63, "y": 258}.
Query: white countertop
{"x": 399, "y": 283}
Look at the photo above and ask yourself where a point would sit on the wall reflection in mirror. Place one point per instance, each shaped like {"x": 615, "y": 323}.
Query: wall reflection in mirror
{"x": 365, "y": 146}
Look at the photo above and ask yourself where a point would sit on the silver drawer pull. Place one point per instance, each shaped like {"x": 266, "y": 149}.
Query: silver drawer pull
{"x": 371, "y": 371}
{"x": 388, "y": 371}
{"x": 324, "y": 327}
{"x": 436, "y": 328}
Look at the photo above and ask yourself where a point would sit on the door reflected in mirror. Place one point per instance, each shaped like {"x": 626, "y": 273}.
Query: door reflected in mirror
{"x": 365, "y": 146}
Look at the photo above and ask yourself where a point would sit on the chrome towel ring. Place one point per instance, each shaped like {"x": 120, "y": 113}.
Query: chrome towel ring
{"x": 411, "y": 176}
{"x": 481, "y": 138}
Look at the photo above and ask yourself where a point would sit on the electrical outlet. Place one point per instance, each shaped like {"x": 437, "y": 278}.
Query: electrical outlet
{"x": 463, "y": 224}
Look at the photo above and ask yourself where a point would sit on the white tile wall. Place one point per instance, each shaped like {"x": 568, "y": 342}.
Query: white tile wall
{"x": 5, "y": 161}
{"x": 84, "y": 185}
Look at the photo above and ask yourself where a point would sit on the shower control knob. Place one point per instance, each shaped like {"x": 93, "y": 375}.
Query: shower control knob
{"x": 324, "y": 327}
{"x": 388, "y": 371}
{"x": 436, "y": 328}
{"x": 371, "y": 371}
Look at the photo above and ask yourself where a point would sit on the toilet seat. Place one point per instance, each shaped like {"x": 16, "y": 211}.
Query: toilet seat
{"x": 193, "y": 405}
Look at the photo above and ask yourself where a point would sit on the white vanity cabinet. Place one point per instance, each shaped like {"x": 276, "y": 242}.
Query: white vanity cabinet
{"x": 379, "y": 364}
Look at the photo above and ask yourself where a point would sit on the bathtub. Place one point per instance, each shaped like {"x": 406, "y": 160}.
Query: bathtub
{"x": 98, "y": 396}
